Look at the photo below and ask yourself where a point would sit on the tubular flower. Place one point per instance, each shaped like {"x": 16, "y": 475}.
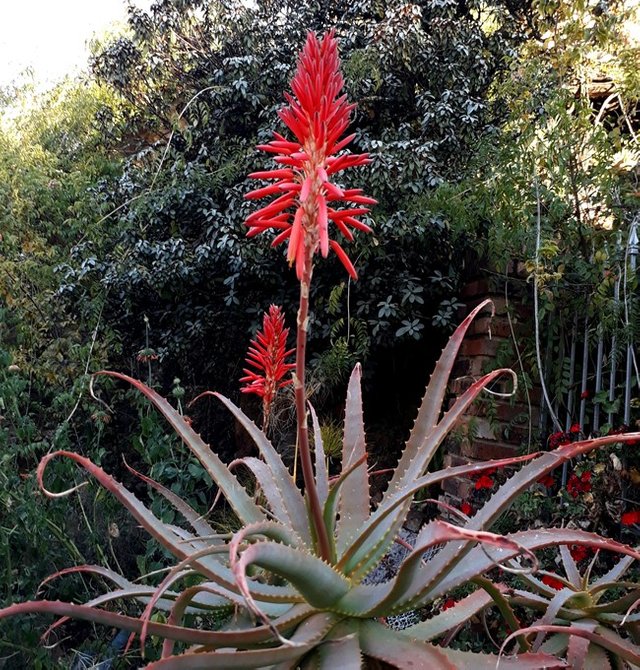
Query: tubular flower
{"x": 317, "y": 116}
{"x": 268, "y": 354}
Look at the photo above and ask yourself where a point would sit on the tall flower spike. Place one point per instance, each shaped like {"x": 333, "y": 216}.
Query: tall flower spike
{"x": 267, "y": 355}
{"x": 317, "y": 115}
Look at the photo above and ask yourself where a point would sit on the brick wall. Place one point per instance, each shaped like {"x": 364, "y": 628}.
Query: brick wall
{"x": 493, "y": 427}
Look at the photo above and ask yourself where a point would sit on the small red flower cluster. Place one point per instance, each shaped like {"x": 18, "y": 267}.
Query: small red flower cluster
{"x": 466, "y": 508}
{"x": 268, "y": 354}
{"x": 559, "y": 439}
{"x": 448, "y": 604}
{"x": 577, "y": 485}
{"x": 552, "y": 582}
{"x": 146, "y": 355}
{"x": 630, "y": 518}
{"x": 579, "y": 552}
{"x": 575, "y": 429}
{"x": 484, "y": 480}
{"x": 548, "y": 481}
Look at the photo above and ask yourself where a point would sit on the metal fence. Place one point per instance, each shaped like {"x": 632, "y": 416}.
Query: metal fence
{"x": 591, "y": 371}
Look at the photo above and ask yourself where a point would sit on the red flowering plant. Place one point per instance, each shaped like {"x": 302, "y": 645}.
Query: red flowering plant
{"x": 292, "y": 583}
{"x": 559, "y": 438}
{"x": 317, "y": 116}
{"x": 268, "y": 357}
{"x": 577, "y": 484}
{"x": 630, "y": 518}
{"x": 466, "y": 508}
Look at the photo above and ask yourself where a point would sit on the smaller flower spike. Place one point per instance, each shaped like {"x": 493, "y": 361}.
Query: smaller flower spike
{"x": 317, "y": 116}
{"x": 268, "y": 354}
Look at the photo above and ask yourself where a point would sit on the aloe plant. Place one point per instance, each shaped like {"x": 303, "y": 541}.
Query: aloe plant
{"x": 318, "y": 613}
{"x": 590, "y": 620}
{"x": 298, "y": 565}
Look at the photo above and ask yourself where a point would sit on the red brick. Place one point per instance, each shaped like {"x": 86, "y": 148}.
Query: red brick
{"x": 481, "y": 346}
{"x": 458, "y": 486}
{"x": 460, "y": 385}
{"x": 486, "y": 450}
{"x": 498, "y": 327}
{"x": 453, "y": 460}
{"x": 473, "y": 289}
{"x": 479, "y": 364}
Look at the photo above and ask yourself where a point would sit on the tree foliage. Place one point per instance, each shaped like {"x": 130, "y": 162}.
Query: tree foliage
{"x": 202, "y": 81}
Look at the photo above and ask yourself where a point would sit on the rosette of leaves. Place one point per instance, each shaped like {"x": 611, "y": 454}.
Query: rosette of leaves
{"x": 589, "y": 620}
{"x": 316, "y": 613}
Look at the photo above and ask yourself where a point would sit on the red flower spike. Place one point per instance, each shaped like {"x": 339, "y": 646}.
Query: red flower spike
{"x": 267, "y": 354}
{"x": 630, "y": 518}
{"x": 317, "y": 115}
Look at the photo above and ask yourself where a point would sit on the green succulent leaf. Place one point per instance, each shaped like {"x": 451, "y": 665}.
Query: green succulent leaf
{"x": 330, "y": 511}
{"x": 578, "y": 647}
{"x": 243, "y": 506}
{"x": 322, "y": 476}
{"x": 559, "y": 600}
{"x": 217, "y": 639}
{"x": 446, "y": 620}
{"x": 615, "y": 573}
{"x": 416, "y": 455}
{"x": 619, "y": 605}
{"x": 400, "y": 652}
{"x": 597, "y": 659}
{"x": 320, "y": 585}
{"x": 354, "y": 502}
{"x": 271, "y": 489}
{"x": 196, "y": 521}
{"x": 406, "y": 654}
{"x": 342, "y": 648}
{"x": 291, "y": 496}
{"x": 307, "y": 636}
{"x": 570, "y": 567}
